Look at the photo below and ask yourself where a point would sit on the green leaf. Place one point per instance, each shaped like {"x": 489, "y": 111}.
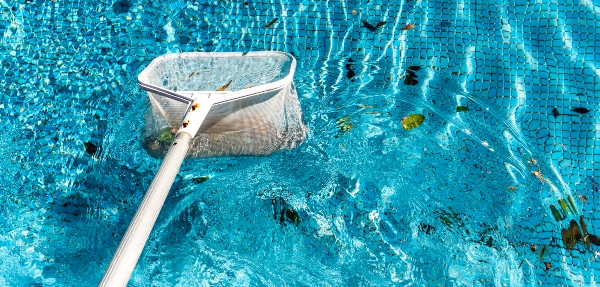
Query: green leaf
{"x": 556, "y": 213}
{"x": 166, "y": 135}
{"x": 199, "y": 180}
{"x": 412, "y": 121}
{"x": 345, "y": 124}
{"x": 572, "y": 204}
{"x": 462, "y": 109}
{"x": 565, "y": 207}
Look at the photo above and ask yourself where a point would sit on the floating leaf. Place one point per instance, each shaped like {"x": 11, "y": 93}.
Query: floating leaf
{"x": 556, "y": 213}
{"x": 572, "y": 204}
{"x": 462, "y": 109}
{"x": 565, "y": 207}
{"x": 380, "y": 24}
{"x": 166, "y": 135}
{"x": 199, "y": 180}
{"x": 412, "y": 121}
{"x": 581, "y": 110}
{"x": 572, "y": 235}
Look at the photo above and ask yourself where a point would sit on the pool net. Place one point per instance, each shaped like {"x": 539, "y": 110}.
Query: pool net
{"x": 256, "y": 109}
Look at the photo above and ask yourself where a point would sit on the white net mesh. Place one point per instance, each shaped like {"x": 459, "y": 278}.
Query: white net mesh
{"x": 251, "y": 116}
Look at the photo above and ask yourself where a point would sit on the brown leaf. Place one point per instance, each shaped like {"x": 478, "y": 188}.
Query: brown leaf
{"x": 586, "y": 239}
{"x": 572, "y": 235}
{"x": 271, "y": 23}
{"x": 223, "y": 88}
{"x": 408, "y": 27}
{"x": 594, "y": 239}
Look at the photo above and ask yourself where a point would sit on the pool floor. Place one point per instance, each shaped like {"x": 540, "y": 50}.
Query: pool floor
{"x": 489, "y": 190}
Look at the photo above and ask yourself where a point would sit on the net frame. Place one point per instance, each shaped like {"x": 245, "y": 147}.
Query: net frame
{"x": 260, "y": 115}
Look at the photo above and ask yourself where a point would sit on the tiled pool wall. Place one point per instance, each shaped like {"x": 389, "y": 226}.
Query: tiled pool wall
{"x": 69, "y": 76}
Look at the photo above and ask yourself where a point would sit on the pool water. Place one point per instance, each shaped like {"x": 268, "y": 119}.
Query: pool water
{"x": 363, "y": 202}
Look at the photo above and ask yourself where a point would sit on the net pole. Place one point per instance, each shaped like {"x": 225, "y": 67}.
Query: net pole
{"x": 131, "y": 246}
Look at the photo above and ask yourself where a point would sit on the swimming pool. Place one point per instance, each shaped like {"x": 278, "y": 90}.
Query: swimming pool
{"x": 363, "y": 202}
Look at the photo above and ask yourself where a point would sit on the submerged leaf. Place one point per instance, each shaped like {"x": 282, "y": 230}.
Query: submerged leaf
{"x": 346, "y": 127}
{"x": 345, "y": 124}
{"x": 369, "y": 26}
{"x": 199, "y": 180}
{"x": 343, "y": 120}
{"x": 411, "y": 81}
{"x": 412, "y": 121}
{"x": 428, "y": 229}
{"x": 572, "y": 235}
{"x": 572, "y": 204}
{"x": 565, "y": 207}
{"x": 408, "y": 27}
{"x": 462, "y": 109}
{"x": 411, "y": 78}
{"x": 449, "y": 218}
{"x": 583, "y": 225}
{"x": 556, "y": 213}
{"x": 542, "y": 252}
{"x": 166, "y": 136}
{"x": 586, "y": 239}
{"x": 291, "y": 215}
{"x": 350, "y": 73}
{"x": 581, "y": 110}
{"x": 223, "y": 88}
{"x": 271, "y": 23}
{"x": 555, "y": 112}
{"x": 594, "y": 239}
{"x": 91, "y": 148}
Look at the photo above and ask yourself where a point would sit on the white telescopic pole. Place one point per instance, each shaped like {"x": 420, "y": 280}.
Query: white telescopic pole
{"x": 131, "y": 246}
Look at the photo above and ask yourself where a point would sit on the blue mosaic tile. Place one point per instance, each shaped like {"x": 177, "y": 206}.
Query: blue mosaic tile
{"x": 68, "y": 77}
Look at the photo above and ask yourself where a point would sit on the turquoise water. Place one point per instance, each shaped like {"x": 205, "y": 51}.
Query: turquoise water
{"x": 450, "y": 203}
